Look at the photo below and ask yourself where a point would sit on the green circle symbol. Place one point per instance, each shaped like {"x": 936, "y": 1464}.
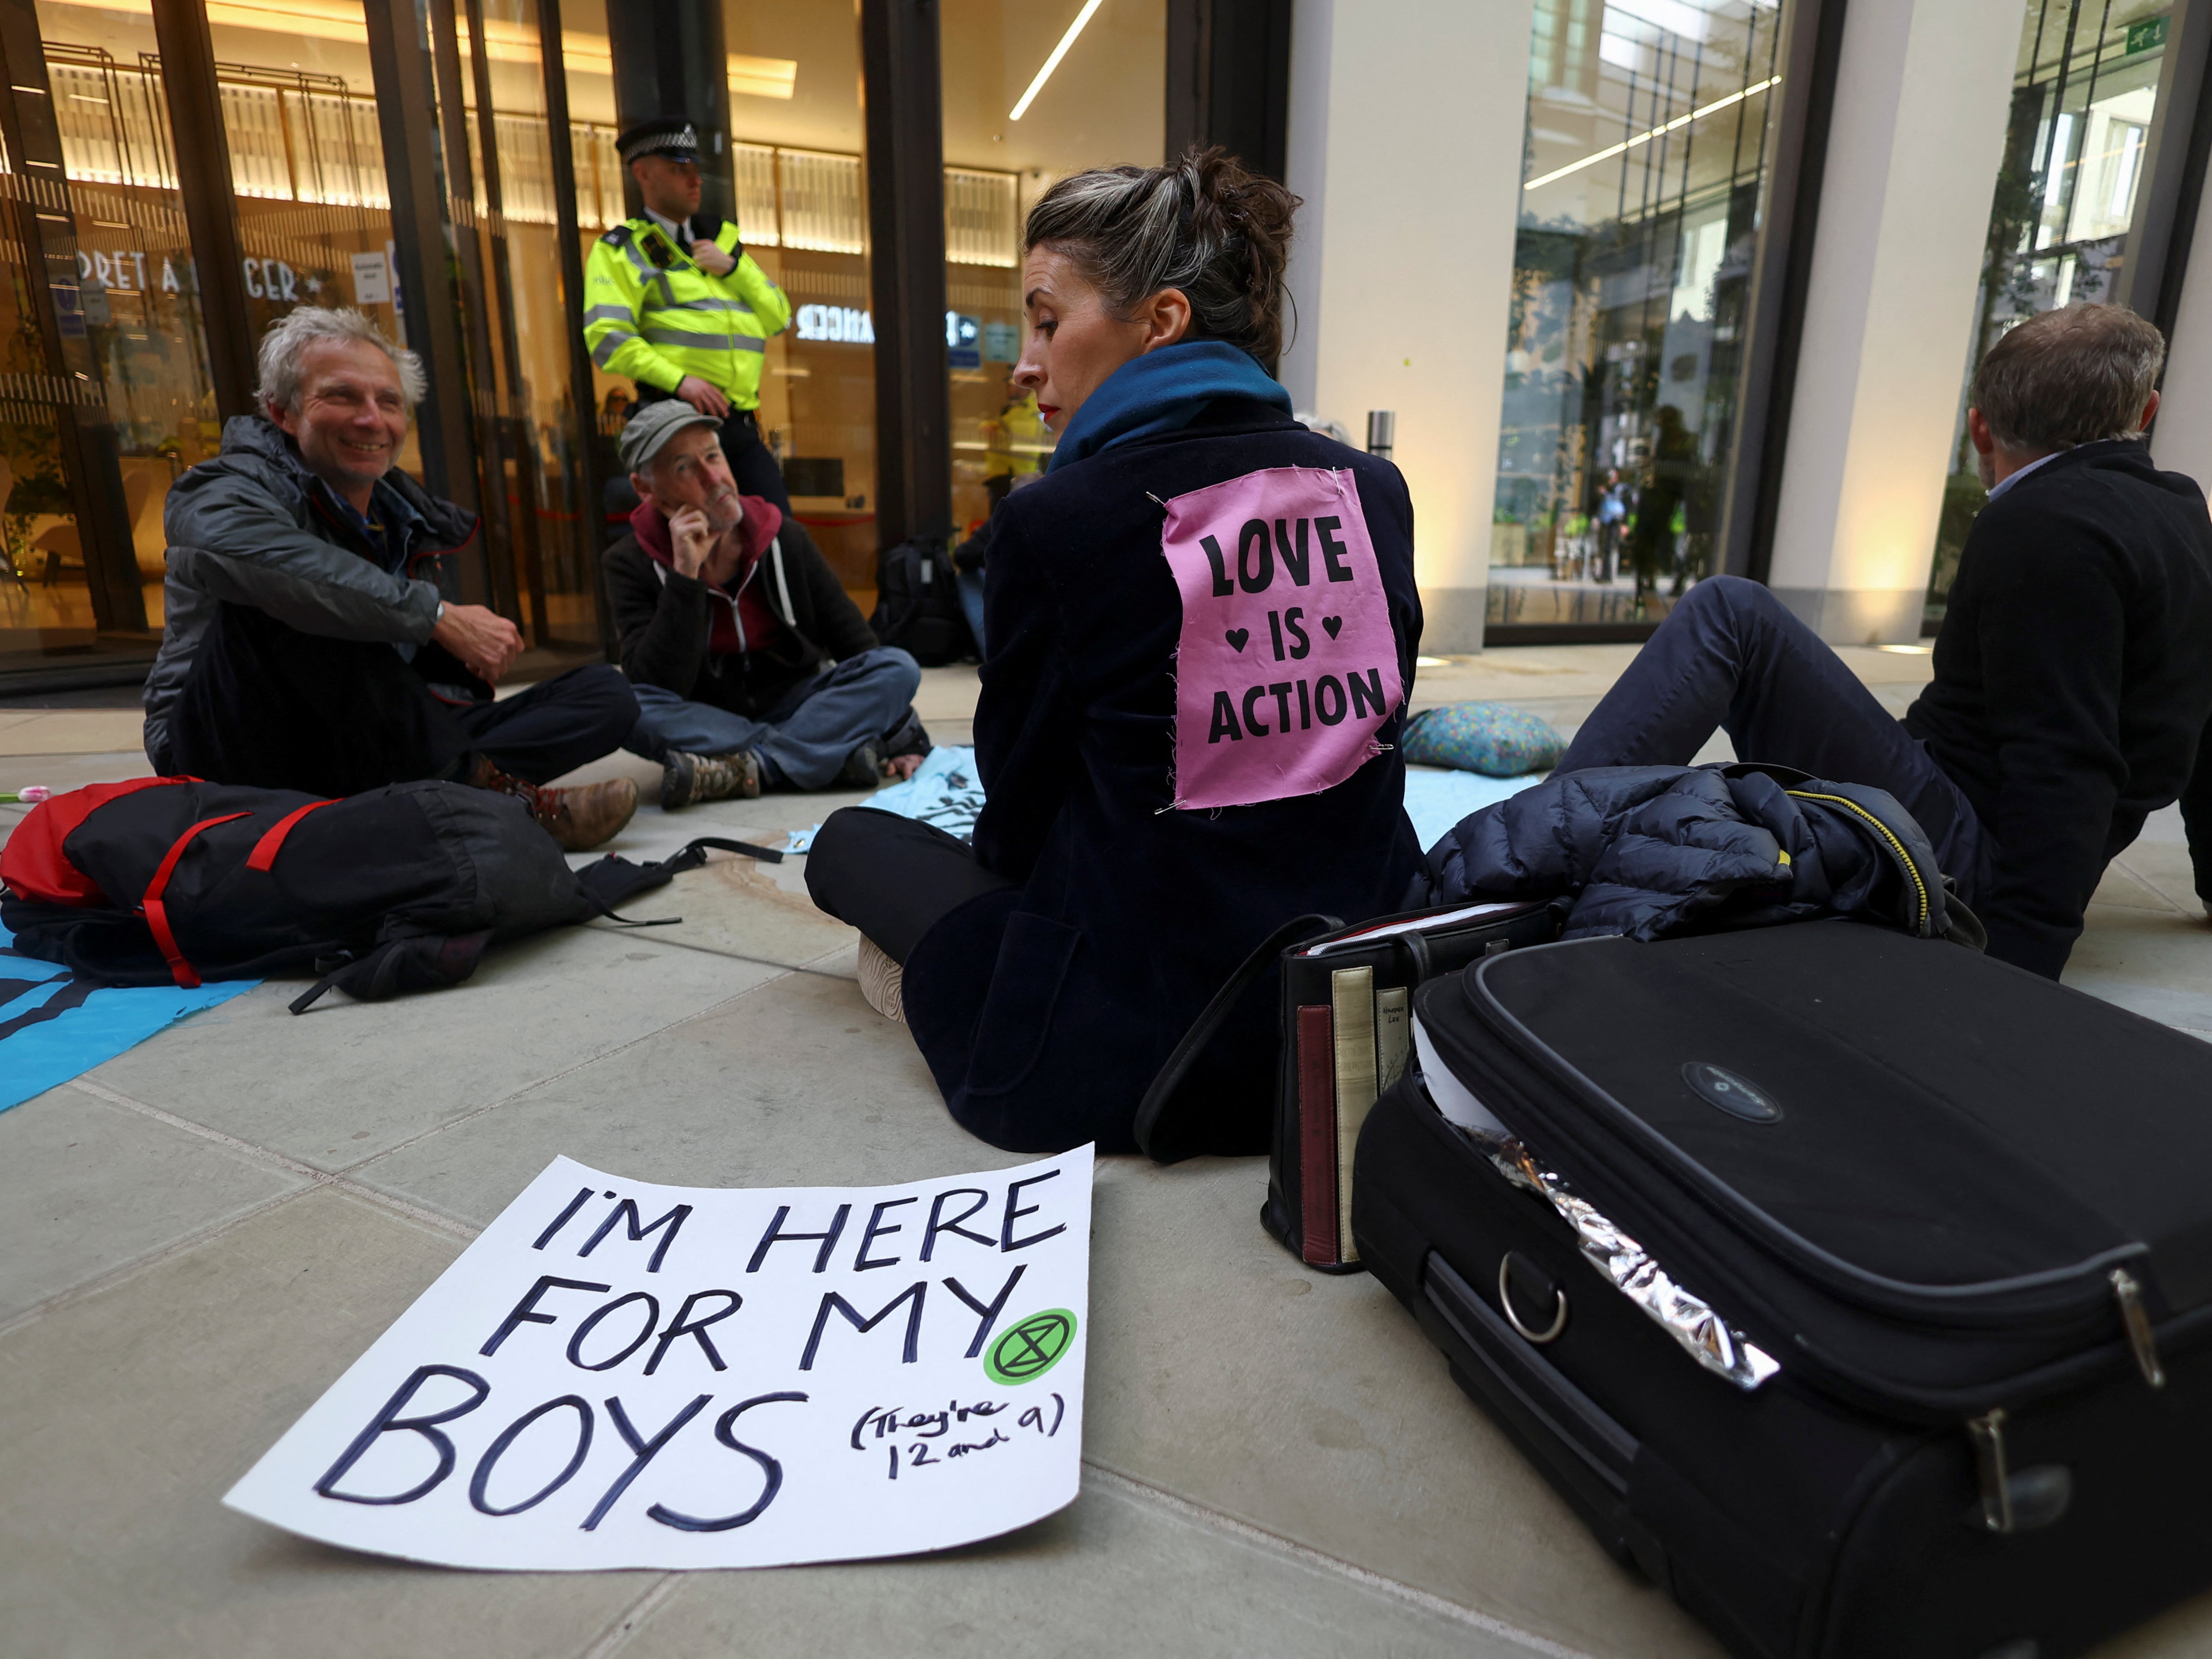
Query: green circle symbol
{"x": 1030, "y": 1347}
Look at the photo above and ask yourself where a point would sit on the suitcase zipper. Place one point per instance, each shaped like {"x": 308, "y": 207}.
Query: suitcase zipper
{"x": 2135, "y": 1320}
{"x": 1904, "y": 857}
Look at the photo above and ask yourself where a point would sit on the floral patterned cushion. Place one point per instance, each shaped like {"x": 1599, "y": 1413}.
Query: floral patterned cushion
{"x": 1494, "y": 738}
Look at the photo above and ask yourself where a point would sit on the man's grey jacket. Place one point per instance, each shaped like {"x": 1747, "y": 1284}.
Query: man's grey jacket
{"x": 254, "y": 526}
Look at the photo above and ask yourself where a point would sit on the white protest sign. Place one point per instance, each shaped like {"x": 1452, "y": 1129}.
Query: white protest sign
{"x": 621, "y": 1375}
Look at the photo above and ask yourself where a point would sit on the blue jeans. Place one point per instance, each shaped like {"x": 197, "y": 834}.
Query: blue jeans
{"x": 1731, "y": 657}
{"x": 971, "y": 585}
{"x": 807, "y": 736}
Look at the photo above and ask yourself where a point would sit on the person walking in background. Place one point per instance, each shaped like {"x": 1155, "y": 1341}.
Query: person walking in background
{"x": 1612, "y": 514}
{"x": 2072, "y": 684}
{"x": 315, "y": 638}
{"x": 672, "y": 300}
{"x": 1651, "y": 542}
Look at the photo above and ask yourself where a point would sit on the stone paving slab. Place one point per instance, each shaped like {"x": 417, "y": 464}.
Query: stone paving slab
{"x": 736, "y": 906}
{"x": 1312, "y": 1406}
{"x": 61, "y": 771}
{"x": 795, "y": 1082}
{"x": 1112, "y": 1577}
{"x": 125, "y": 1416}
{"x": 74, "y": 731}
{"x": 85, "y": 1185}
{"x": 2164, "y": 866}
{"x": 347, "y": 1080}
{"x": 2157, "y": 964}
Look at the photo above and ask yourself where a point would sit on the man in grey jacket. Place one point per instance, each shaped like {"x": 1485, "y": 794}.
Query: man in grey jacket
{"x": 312, "y": 640}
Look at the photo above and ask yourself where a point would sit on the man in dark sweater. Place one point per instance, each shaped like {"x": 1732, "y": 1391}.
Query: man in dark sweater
{"x": 2072, "y": 678}
{"x": 731, "y": 621}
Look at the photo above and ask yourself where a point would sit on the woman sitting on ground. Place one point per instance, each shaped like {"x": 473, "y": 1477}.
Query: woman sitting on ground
{"x": 1202, "y": 625}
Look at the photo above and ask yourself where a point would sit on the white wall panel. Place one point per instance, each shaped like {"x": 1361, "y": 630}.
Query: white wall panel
{"x": 1921, "y": 93}
{"x": 1405, "y": 141}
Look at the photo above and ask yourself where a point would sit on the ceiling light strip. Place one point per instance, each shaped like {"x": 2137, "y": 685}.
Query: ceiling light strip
{"x": 1053, "y": 61}
{"x": 1605, "y": 154}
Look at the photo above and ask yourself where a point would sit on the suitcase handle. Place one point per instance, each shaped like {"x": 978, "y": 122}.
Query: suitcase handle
{"x": 1603, "y": 1452}
{"x": 1550, "y": 1333}
{"x": 1202, "y": 1031}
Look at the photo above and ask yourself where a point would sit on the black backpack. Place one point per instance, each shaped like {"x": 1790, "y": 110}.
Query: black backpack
{"x": 174, "y": 880}
{"x": 918, "y": 604}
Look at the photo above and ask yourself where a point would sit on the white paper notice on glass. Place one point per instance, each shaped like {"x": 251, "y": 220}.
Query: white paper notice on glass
{"x": 371, "y": 280}
{"x": 621, "y": 1375}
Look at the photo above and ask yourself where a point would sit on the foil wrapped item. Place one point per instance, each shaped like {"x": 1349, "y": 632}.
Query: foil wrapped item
{"x": 1704, "y": 1334}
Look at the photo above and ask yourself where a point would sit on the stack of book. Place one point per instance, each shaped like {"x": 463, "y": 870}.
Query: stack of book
{"x": 1350, "y": 1048}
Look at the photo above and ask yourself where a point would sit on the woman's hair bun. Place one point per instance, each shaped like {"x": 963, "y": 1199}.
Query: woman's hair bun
{"x": 1203, "y": 223}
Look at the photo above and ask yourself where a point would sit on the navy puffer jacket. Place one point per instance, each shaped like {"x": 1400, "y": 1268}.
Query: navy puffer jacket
{"x": 1649, "y": 851}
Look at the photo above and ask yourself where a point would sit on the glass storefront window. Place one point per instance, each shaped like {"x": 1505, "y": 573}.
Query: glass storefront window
{"x": 136, "y": 313}
{"x": 306, "y": 167}
{"x": 1644, "y": 170}
{"x": 803, "y": 209}
{"x": 1104, "y": 105}
{"x": 2083, "y": 105}
{"x": 528, "y": 420}
{"x": 794, "y": 77}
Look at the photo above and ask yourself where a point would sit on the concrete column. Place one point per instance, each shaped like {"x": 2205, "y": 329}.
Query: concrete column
{"x": 2182, "y": 440}
{"x": 1405, "y": 141}
{"x": 1921, "y": 92}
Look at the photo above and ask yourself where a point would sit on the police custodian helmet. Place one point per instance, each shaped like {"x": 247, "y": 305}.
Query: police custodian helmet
{"x": 672, "y": 136}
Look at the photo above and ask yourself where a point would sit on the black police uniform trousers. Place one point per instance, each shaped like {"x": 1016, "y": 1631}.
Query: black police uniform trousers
{"x": 269, "y": 707}
{"x": 750, "y": 461}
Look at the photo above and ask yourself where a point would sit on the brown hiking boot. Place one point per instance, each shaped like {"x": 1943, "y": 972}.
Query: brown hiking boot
{"x": 686, "y": 777}
{"x": 580, "y": 818}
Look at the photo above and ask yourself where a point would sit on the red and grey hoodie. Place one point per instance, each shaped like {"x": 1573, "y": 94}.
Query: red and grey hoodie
{"x": 742, "y": 646}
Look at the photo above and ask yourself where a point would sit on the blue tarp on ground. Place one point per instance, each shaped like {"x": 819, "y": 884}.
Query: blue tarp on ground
{"x": 944, "y": 791}
{"x": 1435, "y": 799}
{"x": 54, "y": 1026}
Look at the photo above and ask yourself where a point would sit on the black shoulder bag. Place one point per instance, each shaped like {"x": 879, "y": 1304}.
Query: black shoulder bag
{"x": 1346, "y": 1034}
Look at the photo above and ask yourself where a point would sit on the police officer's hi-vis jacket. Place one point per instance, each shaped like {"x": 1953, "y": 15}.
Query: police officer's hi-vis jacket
{"x": 652, "y": 314}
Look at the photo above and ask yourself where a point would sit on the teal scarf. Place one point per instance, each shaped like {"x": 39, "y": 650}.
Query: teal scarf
{"x": 1162, "y": 391}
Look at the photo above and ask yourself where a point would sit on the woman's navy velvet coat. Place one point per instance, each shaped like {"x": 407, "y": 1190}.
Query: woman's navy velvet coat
{"x": 1044, "y": 1012}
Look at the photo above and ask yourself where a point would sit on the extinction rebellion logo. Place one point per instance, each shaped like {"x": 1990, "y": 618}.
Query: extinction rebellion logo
{"x": 1028, "y": 1348}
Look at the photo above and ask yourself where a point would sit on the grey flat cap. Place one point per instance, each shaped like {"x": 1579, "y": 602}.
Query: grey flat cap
{"x": 653, "y": 425}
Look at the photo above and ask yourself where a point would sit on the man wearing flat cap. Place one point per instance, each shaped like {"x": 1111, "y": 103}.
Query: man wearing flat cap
{"x": 752, "y": 669}
{"x": 672, "y": 300}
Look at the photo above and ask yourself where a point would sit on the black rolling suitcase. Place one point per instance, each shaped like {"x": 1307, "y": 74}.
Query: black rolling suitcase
{"x": 1855, "y": 1287}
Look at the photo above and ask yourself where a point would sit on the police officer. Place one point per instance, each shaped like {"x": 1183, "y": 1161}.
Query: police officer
{"x": 673, "y": 300}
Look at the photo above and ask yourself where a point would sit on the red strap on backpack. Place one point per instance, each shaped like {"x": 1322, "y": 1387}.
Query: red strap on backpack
{"x": 157, "y": 915}
{"x": 264, "y": 856}
{"x": 33, "y": 864}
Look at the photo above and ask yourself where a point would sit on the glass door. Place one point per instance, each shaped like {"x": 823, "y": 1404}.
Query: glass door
{"x": 1032, "y": 92}
{"x": 1644, "y": 168}
{"x": 72, "y": 592}
{"x": 520, "y": 351}
{"x": 2082, "y": 104}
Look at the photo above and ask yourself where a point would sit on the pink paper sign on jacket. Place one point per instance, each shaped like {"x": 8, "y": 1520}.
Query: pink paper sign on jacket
{"x": 1288, "y": 667}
